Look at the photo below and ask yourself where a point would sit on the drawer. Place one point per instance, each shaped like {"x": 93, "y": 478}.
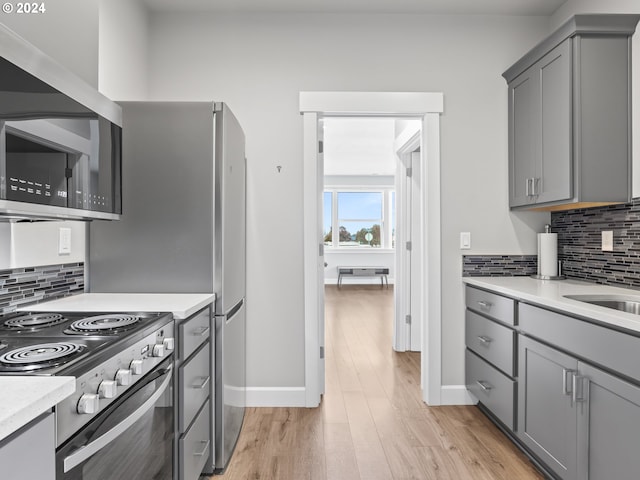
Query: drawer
{"x": 598, "y": 344}
{"x": 495, "y": 306}
{"x": 195, "y": 386}
{"x": 195, "y": 446}
{"x": 491, "y": 387}
{"x": 492, "y": 341}
{"x": 193, "y": 332}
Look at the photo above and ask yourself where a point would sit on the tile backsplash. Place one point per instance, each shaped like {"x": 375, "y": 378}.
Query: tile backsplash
{"x": 498, "y": 265}
{"x": 580, "y": 241}
{"x": 21, "y": 286}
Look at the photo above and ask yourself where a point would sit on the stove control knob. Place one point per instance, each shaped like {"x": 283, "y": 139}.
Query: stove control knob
{"x": 136, "y": 367}
{"x": 169, "y": 344}
{"x": 107, "y": 389}
{"x": 158, "y": 351}
{"x": 123, "y": 377}
{"x": 89, "y": 404}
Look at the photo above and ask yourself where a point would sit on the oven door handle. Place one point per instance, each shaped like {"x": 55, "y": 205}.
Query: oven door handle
{"x": 83, "y": 453}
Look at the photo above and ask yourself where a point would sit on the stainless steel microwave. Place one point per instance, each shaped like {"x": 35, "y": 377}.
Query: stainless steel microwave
{"x": 60, "y": 140}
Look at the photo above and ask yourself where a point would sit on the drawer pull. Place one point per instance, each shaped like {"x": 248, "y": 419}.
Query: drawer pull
{"x": 201, "y": 332}
{"x": 204, "y": 450}
{"x": 485, "y": 305}
{"x": 484, "y": 339}
{"x": 202, "y": 384}
{"x": 484, "y": 385}
{"x": 566, "y": 385}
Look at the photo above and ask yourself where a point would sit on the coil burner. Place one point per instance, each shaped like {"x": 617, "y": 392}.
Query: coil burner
{"x": 39, "y": 356}
{"x": 103, "y": 324}
{"x": 32, "y": 322}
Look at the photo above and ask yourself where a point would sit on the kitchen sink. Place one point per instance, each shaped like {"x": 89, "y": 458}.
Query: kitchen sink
{"x": 617, "y": 302}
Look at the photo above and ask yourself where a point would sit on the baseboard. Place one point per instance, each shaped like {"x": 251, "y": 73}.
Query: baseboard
{"x": 276, "y": 396}
{"x": 456, "y": 395}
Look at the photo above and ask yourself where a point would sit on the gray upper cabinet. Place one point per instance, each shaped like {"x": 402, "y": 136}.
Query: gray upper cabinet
{"x": 570, "y": 117}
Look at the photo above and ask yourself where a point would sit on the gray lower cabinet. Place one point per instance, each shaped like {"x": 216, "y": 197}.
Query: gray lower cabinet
{"x": 30, "y": 453}
{"x": 194, "y": 367}
{"x": 547, "y": 413}
{"x": 582, "y": 421}
{"x": 490, "y": 357}
{"x": 608, "y": 426}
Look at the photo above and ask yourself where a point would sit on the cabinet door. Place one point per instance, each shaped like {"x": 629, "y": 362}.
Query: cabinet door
{"x": 523, "y": 132}
{"x": 547, "y": 419}
{"x": 608, "y": 427}
{"x": 554, "y": 170}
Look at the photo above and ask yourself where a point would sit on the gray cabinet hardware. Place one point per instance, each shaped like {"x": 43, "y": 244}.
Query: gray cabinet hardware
{"x": 484, "y": 385}
{"x": 579, "y": 390}
{"x": 484, "y": 339}
{"x": 567, "y": 373}
{"x": 204, "y": 450}
{"x": 202, "y": 384}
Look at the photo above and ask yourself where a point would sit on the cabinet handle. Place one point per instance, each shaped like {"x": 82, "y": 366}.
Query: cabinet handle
{"x": 534, "y": 182}
{"x": 566, "y": 385}
{"x": 201, "y": 332}
{"x": 484, "y": 304}
{"x": 485, "y": 340}
{"x": 202, "y": 384}
{"x": 204, "y": 450}
{"x": 527, "y": 188}
{"x": 578, "y": 381}
{"x": 484, "y": 385}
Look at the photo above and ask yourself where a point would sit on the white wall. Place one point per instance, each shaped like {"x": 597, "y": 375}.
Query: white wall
{"x": 573, "y": 7}
{"x": 123, "y": 50}
{"x": 66, "y": 31}
{"x": 32, "y": 244}
{"x": 258, "y": 63}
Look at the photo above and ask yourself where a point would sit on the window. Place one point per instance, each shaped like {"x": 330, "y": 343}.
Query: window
{"x": 358, "y": 218}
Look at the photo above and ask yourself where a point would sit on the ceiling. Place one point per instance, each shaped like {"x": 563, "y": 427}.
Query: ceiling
{"x": 443, "y": 7}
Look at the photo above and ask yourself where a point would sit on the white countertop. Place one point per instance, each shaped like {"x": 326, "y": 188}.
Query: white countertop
{"x": 551, "y": 293}
{"x": 22, "y": 399}
{"x": 182, "y": 305}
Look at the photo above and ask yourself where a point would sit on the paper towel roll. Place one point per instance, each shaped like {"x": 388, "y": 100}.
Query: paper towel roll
{"x": 548, "y": 254}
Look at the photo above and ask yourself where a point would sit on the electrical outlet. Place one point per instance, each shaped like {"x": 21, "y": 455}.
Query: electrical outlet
{"x": 607, "y": 240}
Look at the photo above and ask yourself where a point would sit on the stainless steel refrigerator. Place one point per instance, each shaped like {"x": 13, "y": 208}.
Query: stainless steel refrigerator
{"x": 182, "y": 230}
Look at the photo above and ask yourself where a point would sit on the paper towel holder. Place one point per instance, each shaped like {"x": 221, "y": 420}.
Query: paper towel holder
{"x": 537, "y": 276}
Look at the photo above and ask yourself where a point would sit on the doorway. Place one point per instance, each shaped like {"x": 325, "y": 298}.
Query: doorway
{"x": 427, "y": 106}
{"x": 371, "y": 187}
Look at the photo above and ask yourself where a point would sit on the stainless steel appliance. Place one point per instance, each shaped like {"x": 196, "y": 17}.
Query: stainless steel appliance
{"x": 60, "y": 140}
{"x": 183, "y": 231}
{"x": 123, "y": 398}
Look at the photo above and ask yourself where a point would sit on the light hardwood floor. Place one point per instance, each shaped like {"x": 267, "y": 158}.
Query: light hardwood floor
{"x": 372, "y": 423}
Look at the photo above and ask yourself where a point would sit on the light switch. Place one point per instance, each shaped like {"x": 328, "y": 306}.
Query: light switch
{"x": 465, "y": 240}
{"x": 607, "y": 240}
{"x": 64, "y": 241}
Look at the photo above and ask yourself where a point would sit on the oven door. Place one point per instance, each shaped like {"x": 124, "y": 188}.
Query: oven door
{"x": 133, "y": 438}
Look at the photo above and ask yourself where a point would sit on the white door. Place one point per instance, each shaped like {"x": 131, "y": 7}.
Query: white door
{"x": 414, "y": 279}
{"x": 321, "y": 263}
{"x": 408, "y": 317}
{"x": 314, "y": 248}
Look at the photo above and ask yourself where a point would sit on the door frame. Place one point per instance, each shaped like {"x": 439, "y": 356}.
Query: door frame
{"x": 428, "y": 106}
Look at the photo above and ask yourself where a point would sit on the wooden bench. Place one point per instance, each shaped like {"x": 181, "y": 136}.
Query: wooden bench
{"x": 381, "y": 272}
